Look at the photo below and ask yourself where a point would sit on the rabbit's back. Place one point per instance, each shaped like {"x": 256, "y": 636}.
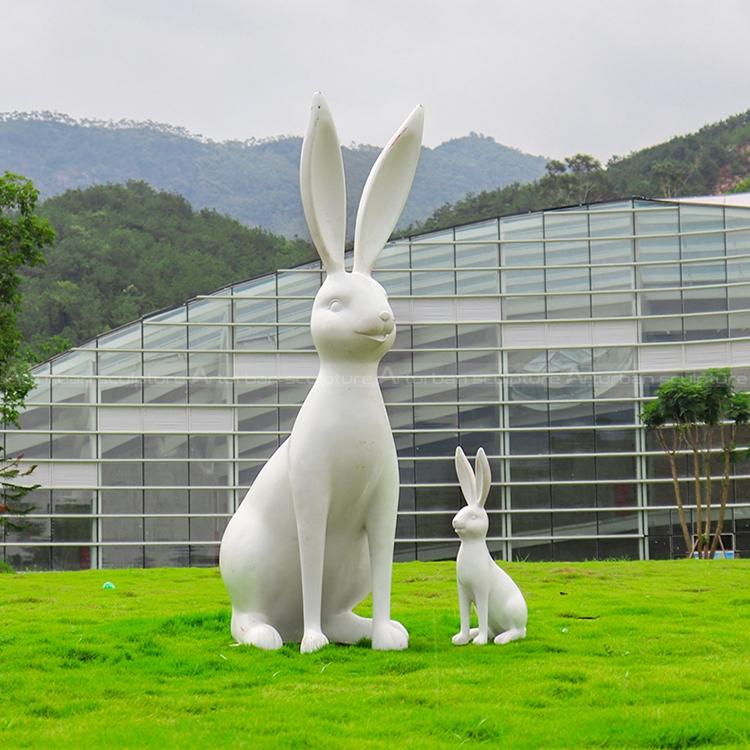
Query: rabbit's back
{"x": 507, "y": 604}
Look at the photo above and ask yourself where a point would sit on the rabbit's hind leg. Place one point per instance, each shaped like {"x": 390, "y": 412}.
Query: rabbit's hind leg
{"x": 250, "y": 628}
{"x": 514, "y": 634}
{"x": 350, "y": 628}
{"x": 347, "y": 627}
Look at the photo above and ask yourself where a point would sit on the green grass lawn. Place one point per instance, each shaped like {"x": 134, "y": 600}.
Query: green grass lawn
{"x": 618, "y": 655}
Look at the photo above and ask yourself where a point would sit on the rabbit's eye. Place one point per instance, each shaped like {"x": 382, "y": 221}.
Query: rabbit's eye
{"x": 335, "y": 306}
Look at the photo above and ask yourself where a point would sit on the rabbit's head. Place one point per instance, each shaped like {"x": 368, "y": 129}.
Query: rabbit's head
{"x": 351, "y": 319}
{"x": 472, "y": 522}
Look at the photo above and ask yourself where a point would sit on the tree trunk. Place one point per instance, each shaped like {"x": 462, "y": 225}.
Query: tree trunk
{"x": 724, "y": 489}
{"x": 693, "y": 440}
{"x": 707, "y": 471}
{"x": 676, "y": 484}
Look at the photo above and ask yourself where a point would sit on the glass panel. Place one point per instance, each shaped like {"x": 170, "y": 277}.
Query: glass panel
{"x": 656, "y": 221}
{"x": 165, "y": 473}
{"x": 209, "y": 447}
{"x": 128, "y": 337}
{"x": 256, "y": 338}
{"x": 263, "y": 286}
{"x": 522, "y": 254}
{"x": 433, "y": 256}
{"x": 72, "y": 503}
{"x": 697, "y": 218}
{"x": 73, "y": 417}
{"x": 73, "y": 446}
{"x": 209, "y": 311}
{"x": 657, "y": 248}
{"x": 486, "y": 256}
{"x": 527, "y": 281}
{"x": 126, "y": 390}
{"x": 256, "y": 310}
{"x": 612, "y": 277}
{"x": 120, "y": 370}
{"x": 703, "y": 327}
{"x": 703, "y": 300}
{"x": 295, "y": 310}
{"x": 612, "y": 305}
{"x": 739, "y": 325}
{"x": 565, "y": 224}
{"x": 531, "y": 383}
{"x": 297, "y": 284}
{"x": 209, "y": 337}
{"x": 609, "y": 223}
{"x": 567, "y": 279}
{"x": 526, "y": 227}
{"x": 74, "y": 390}
{"x": 295, "y": 337}
{"x": 28, "y": 444}
{"x": 121, "y": 473}
{"x": 571, "y": 368}
{"x": 703, "y": 273}
{"x": 524, "y": 282}
{"x": 614, "y": 440}
{"x": 568, "y": 306}
{"x": 393, "y": 255}
{"x": 609, "y": 381}
{"x": 738, "y": 244}
{"x": 478, "y": 282}
{"x": 655, "y": 325}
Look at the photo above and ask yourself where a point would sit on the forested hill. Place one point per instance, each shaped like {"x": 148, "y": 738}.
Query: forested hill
{"x": 713, "y": 161}
{"x": 254, "y": 182}
{"x": 122, "y": 251}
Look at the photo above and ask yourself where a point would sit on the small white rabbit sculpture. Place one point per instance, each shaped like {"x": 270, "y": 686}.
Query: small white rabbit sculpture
{"x": 501, "y": 608}
{"x": 315, "y": 532}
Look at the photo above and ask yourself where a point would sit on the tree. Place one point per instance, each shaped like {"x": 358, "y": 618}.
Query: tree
{"x": 23, "y": 236}
{"x": 743, "y": 186}
{"x": 12, "y": 493}
{"x": 580, "y": 179}
{"x": 669, "y": 178}
{"x": 702, "y": 415}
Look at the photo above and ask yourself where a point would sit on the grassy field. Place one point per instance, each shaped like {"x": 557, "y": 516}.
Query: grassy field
{"x": 618, "y": 655}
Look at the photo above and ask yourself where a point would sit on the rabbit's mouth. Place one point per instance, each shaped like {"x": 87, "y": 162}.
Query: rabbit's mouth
{"x": 380, "y": 338}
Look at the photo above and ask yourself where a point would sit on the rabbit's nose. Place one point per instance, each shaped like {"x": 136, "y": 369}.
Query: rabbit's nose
{"x": 388, "y": 323}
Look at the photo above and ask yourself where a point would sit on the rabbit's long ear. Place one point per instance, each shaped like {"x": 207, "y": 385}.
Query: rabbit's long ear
{"x": 386, "y": 191}
{"x": 484, "y": 477}
{"x": 322, "y": 185}
{"x": 466, "y": 476}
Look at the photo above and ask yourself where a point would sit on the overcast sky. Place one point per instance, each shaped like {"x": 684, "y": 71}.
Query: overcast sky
{"x": 550, "y": 77}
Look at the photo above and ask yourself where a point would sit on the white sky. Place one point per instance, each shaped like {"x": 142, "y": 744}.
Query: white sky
{"x": 551, "y": 77}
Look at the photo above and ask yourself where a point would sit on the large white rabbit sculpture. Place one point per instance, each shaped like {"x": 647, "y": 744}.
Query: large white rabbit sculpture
{"x": 315, "y": 532}
{"x": 501, "y": 608}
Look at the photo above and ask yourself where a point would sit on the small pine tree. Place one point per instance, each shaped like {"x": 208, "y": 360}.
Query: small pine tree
{"x": 11, "y": 493}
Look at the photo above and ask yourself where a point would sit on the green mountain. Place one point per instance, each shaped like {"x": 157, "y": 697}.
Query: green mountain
{"x": 713, "y": 161}
{"x": 122, "y": 251}
{"x": 256, "y": 182}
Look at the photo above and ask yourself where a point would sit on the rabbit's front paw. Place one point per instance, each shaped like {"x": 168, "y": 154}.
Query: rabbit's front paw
{"x": 263, "y": 636}
{"x": 480, "y": 640}
{"x": 460, "y": 639}
{"x": 390, "y": 637}
{"x": 312, "y": 641}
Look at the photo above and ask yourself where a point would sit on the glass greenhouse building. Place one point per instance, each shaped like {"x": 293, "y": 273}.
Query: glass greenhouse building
{"x": 536, "y": 336}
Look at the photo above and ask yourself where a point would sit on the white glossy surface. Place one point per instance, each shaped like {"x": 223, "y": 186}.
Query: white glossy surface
{"x": 500, "y": 606}
{"x": 314, "y": 534}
